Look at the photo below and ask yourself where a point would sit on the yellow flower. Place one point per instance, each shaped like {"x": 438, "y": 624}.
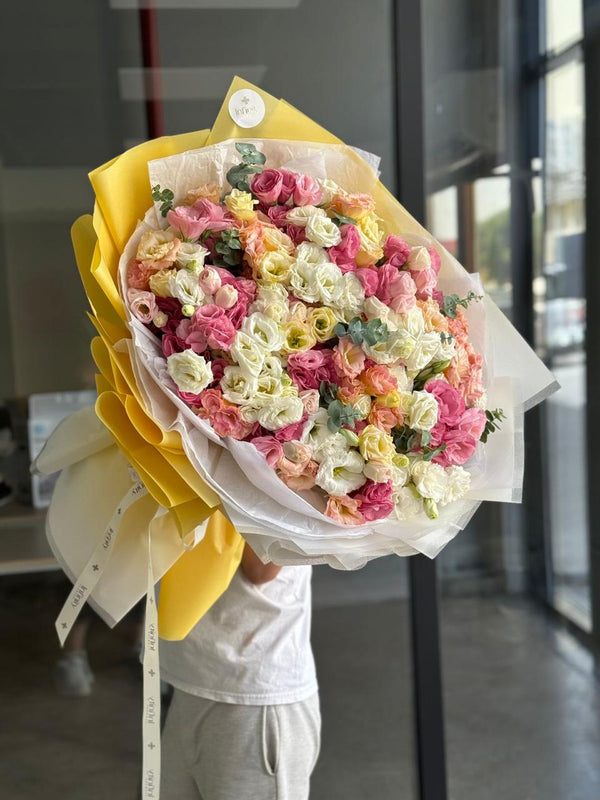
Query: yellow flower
{"x": 392, "y": 399}
{"x": 298, "y": 337}
{"x": 371, "y": 240}
{"x": 375, "y": 445}
{"x": 353, "y": 205}
{"x": 159, "y": 282}
{"x": 273, "y": 267}
{"x": 274, "y": 239}
{"x": 322, "y": 321}
{"x": 241, "y": 204}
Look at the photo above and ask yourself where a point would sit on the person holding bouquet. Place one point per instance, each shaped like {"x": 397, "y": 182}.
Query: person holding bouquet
{"x": 244, "y": 722}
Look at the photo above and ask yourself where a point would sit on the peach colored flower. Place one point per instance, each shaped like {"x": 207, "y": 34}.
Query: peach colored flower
{"x": 353, "y": 205}
{"x": 385, "y": 418}
{"x": 306, "y": 480}
{"x": 205, "y": 191}
{"x": 345, "y": 510}
{"x": 138, "y": 275}
{"x": 350, "y": 390}
{"x": 378, "y": 380}
{"x": 348, "y": 358}
{"x": 434, "y": 319}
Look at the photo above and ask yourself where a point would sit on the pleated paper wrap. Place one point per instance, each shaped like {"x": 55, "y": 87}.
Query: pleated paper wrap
{"x": 183, "y": 465}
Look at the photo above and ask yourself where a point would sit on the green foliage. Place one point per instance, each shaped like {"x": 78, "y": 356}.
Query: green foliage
{"x": 428, "y": 373}
{"x": 341, "y": 414}
{"x": 452, "y": 301}
{"x": 406, "y": 439}
{"x": 163, "y": 196}
{"x": 328, "y": 392}
{"x": 360, "y": 331}
{"x": 251, "y": 163}
{"x": 229, "y": 248}
{"x": 494, "y": 418}
{"x": 340, "y": 219}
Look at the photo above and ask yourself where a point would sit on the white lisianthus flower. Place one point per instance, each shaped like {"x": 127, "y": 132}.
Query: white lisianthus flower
{"x": 311, "y": 253}
{"x": 362, "y": 405}
{"x": 408, "y": 503}
{"x": 237, "y": 386}
{"x": 405, "y": 384}
{"x": 424, "y": 351}
{"x": 430, "y": 479}
{"x": 191, "y": 256}
{"x": 398, "y": 347}
{"x": 247, "y": 352}
{"x": 330, "y": 282}
{"x": 379, "y": 472}
{"x": 184, "y": 286}
{"x": 459, "y": 482}
{"x": 375, "y": 309}
{"x": 191, "y": 372}
{"x": 412, "y": 322}
{"x": 300, "y": 216}
{"x": 265, "y": 331}
{"x": 268, "y": 387}
{"x": 329, "y": 189}
{"x": 341, "y": 472}
{"x": 350, "y": 301}
{"x": 280, "y": 412}
{"x": 446, "y": 350}
{"x": 323, "y": 231}
{"x": 271, "y": 300}
{"x": 423, "y": 414}
{"x": 418, "y": 259}
{"x": 303, "y": 281}
{"x": 272, "y": 366}
{"x": 330, "y": 447}
{"x": 274, "y": 267}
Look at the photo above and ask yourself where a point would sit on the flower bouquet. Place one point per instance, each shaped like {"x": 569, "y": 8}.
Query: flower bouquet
{"x": 286, "y": 354}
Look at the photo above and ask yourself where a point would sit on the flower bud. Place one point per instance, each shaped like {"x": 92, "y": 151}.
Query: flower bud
{"x": 188, "y": 310}
{"x": 226, "y": 296}
{"x": 160, "y": 319}
{"x": 209, "y": 280}
{"x": 350, "y": 437}
{"x": 431, "y": 508}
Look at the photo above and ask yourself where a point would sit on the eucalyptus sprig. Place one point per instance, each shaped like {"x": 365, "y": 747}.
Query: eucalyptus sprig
{"x": 251, "y": 163}
{"x": 163, "y": 196}
{"x": 341, "y": 414}
{"x": 328, "y": 392}
{"x": 340, "y": 219}
{"x": 229, "y": 248}
{"x": 360, "y": 331}
{"x": 494, "y": 418}
{"x": 407, "y": 439}
{"x": 453, "y": 301}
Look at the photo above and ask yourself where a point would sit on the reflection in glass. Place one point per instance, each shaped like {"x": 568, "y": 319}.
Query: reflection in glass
{"x": 442, "y": 217}
{"x": 492, "y": 239}
{"x": 562, "y": 337}
{"x": 564, "y": 23}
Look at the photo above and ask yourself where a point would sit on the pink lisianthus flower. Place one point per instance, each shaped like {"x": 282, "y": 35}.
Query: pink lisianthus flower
{"x": 307, "y": 191}
{"x": 310, "y": 400}
{"x": 438, "y": 296}
{"x": 142, "y": 305}
{"x": 459, "y": 448}
{"x": 228, "y": 421}
{"x": 309, "y": 368}
{"x": 218, "y": 368}
{"x": 210, "y": 327}
{"x": 295, "y": 459}
{"x": 171, "y": 343}
{"x": 451, "y": 405}
{"x": 246, "y": 287}
{"x": 472, "y": 422}
{"x": 270, "y": 447}
{"x": 193, "y": 221}
{"x": 238, "y": 313}
{"x": 375, "y": 500}
{"x": 348, "y": 358}
{"x": 438, "y": 434}
{"x": 293, "y": 431}
{"x": 425, "y": 281}
{"x": 277, "y": 215}
{"x": 296, "y": 233}
{"x": 211, "y": 401}
{"x": 378, "y": 380}
{"x": 344, "y": 509}
{"x": 396, "y": 251}
{"x": 288, "y": 185}
{"x": 189, "y": 398}
{"x": 369, "y": 279}
{"x": 436, "y": 261}
{"x": 267, "y": 185}
{"x": 396, "y": 289}
{"x": 343, "y": 254}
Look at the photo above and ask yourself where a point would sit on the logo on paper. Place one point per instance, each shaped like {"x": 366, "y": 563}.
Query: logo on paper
{"x": 246, "y": 108}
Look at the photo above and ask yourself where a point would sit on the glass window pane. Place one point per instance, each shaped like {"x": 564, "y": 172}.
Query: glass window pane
{"x": 562, "y": 334}
{"x": 492, "y": 239}
{"x": 564, "y": 23}
{"x": 442, "y": 218}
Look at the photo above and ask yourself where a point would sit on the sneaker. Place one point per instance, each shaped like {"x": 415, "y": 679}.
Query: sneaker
{"x": 73, "y": 676}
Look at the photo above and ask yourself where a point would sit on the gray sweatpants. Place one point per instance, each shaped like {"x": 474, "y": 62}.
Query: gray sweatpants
{"x": 222, "y": 751}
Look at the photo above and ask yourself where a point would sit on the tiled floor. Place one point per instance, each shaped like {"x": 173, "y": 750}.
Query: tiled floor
{"x": 522, "y": 702}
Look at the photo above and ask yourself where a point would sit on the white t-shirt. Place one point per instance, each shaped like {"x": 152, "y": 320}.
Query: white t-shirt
{"x": 252, "y": 647}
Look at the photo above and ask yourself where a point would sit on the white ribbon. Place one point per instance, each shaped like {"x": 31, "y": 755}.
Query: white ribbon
{"x": 92, "y": 572}
{"x": 151, "y": 711}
